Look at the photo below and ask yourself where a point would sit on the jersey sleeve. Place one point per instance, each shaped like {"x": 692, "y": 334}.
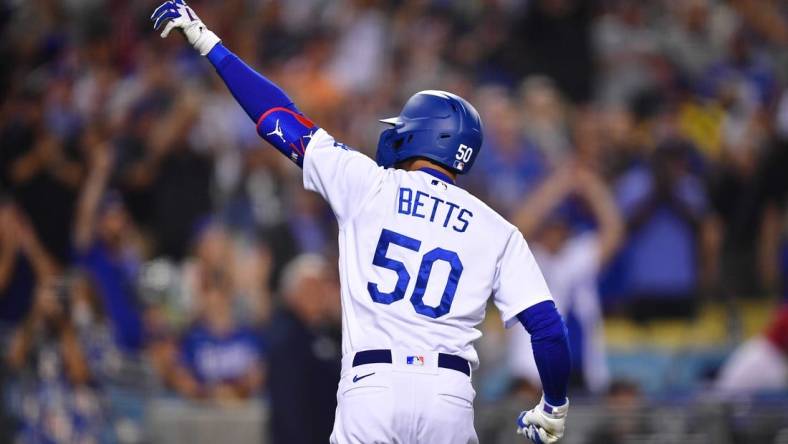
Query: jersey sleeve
{"x": 345, "y": 178}
{"x": 519, "y": 283}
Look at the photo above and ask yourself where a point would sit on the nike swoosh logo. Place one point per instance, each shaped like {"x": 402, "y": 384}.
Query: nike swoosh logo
{"x": 359, "y": 378}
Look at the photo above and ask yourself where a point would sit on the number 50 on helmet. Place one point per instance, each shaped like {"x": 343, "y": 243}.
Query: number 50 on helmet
{"x": 434, "y": 125}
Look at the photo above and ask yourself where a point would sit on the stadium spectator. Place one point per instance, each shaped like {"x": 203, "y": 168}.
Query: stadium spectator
{"x": 52, "y": 372}
{"x": 544, "y": 118}
{"x": 23, "y": 261}
{"x": 765, "y": 355}
{"x": 359, "y": 60}
{"x": 513, "y": 164}
{"x": 93, "y": 329}
{"x": 772, "y": 261}
{"x": 571, "y": 260}
{"x": 105, "y": 249}
{"x": 221, "y": 360}
{"x": 550, "y": 27}
{"x": 180, "y": 177}
{"x": 306, "y": 229}
{"x": 670, "y": 242}
{"x": 742, "y": 190}
{"x": 213, "y": 254}
{"x": 247, "y": 267}
{"x": 696, "y": 35}
{"x": 41, "y": 169}
{"x": 743, "y": 75}
{"x": 305, "y": 353}
{"x": 627, "y": 51}
{"x": 624, "y": 413}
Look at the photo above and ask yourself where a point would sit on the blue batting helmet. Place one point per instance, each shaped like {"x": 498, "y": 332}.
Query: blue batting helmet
{"x": 436, "y": 125}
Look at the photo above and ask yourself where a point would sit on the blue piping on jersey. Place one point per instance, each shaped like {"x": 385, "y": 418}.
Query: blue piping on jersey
{"x": 438, "y": 174}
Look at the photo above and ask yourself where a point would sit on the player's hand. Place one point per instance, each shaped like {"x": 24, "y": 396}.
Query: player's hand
{"x": 176, "y": 14}
{"x": 544, "y": 424}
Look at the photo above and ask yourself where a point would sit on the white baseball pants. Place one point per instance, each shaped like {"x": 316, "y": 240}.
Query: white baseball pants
{"x": 404, "y": 404}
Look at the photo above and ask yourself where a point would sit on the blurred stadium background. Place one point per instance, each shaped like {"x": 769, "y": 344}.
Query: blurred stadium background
{"x": 164, "y": 278}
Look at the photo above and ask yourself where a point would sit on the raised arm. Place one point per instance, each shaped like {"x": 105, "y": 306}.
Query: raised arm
{"x": 345, "y": 178}
{"x": 544, "y": 200}
{"x": 44, "y": 265}
{"x": 595, "y": 193}
{"x": 90, "y": 197}
{"x": 278, "y": 120}
{"x": 8, "y": 245}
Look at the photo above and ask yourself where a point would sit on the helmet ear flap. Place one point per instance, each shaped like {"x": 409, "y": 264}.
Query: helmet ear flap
{"x": 388, "y": 144}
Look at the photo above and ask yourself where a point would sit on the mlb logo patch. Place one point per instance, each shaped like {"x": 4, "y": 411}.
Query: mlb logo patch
{"x": 415, "y": 360}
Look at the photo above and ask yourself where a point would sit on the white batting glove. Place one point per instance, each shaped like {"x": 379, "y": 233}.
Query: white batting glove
{"x": 544, "y": 424}
{"x": 176, "y": 14}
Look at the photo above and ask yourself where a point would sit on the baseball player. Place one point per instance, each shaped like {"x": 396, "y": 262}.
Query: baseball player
{"x": 418, "y": 259}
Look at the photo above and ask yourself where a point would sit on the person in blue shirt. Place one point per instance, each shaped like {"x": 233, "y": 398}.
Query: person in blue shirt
{"x": 668, "y": 218}
{"x": 219, "y": 358}
{"x": 102, "y": 233}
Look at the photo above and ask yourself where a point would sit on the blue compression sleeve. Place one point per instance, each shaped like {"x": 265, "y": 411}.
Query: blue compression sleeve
{"x": 278, "y": 120}
{"x": 254, "y": 93}
{"x": 551, "y": 349}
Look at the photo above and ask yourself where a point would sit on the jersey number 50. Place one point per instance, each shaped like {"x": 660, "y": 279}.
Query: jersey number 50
{"x": 425, "y": 269}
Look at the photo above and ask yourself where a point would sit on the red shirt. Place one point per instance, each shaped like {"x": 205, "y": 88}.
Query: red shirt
{"x": 777, "y": 332}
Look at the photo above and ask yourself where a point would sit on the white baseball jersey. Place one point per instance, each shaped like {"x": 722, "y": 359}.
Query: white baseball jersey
{"x": 418, "y": 256}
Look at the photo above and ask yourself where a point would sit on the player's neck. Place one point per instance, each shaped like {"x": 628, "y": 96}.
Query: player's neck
{"x": 418, "y": 164}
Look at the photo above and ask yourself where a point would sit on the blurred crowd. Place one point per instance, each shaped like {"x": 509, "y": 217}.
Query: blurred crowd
{"x": 151, "y": 244}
